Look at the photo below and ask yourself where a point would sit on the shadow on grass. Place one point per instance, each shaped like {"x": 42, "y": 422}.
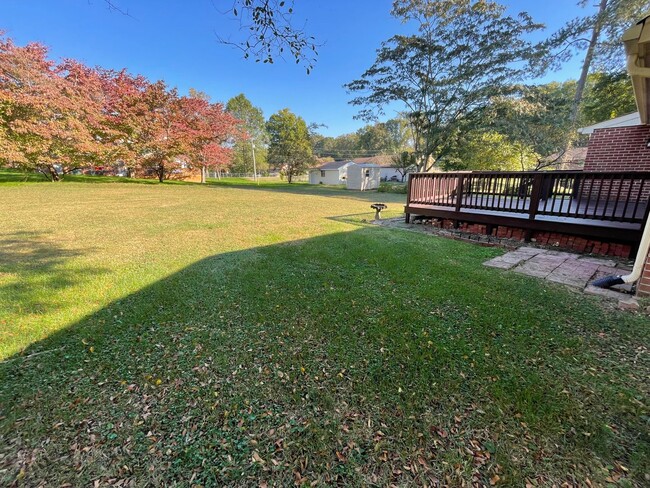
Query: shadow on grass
{"x": 34, "y": 269}
{"x": 338, "y": 359}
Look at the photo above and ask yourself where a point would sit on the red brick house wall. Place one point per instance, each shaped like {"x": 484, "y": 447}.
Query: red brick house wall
{"x": 619, "y": 149}
{"x": 622, "y": 149}
{"x": 643, "y": 288}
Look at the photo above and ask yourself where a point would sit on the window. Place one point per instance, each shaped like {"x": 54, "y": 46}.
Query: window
{"x": 322, "y": 174}
{"x": 367, "y": 173}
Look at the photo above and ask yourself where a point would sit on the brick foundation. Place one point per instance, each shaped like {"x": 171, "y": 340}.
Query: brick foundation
{"x": 563, "y": 241}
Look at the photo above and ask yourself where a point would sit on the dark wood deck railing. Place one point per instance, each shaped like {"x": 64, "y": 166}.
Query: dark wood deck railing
{"x": 618, "y": 197}
{"x": 594, "y": 199}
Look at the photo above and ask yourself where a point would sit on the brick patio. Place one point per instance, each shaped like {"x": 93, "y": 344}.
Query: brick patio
{"x": 560, "y": 267}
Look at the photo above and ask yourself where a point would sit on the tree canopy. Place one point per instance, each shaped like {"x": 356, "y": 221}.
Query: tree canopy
{"x": 289, "y": 147}
{"x": 254, "y": 125}
{"x": 443, "y": 89}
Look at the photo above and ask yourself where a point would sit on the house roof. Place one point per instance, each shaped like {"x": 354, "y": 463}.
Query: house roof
{"x": 332, "y": 165}
{"x": 384, "y": 160}
{"x": 367, "y": 165}
{"x": 622, "y": 121}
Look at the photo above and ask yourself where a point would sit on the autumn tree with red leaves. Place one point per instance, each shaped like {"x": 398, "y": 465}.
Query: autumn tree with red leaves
{"x": 208, "y": 128}
{"x": 48, "y": 112}
{"x": 56, "y": 118}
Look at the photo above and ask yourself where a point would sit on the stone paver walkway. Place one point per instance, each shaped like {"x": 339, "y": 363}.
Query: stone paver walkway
{"x": 560, "y": 267}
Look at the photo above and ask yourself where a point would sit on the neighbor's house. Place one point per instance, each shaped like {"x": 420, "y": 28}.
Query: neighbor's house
{"x": 332, "y": 173}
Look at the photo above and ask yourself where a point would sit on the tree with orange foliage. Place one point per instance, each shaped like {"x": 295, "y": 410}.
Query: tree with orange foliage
{"x": 48, "y": 112}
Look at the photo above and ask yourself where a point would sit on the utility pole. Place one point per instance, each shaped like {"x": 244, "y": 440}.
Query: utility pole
{"x": 254, "y": 164}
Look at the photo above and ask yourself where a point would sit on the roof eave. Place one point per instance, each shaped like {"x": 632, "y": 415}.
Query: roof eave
{"x": 637, "y": 49}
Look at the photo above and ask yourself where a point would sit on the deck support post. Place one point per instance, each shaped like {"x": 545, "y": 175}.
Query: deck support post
{"x": 408, "y": 218}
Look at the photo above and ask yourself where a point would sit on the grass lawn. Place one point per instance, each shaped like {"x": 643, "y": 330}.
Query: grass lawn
{"x": 235, "y": 334}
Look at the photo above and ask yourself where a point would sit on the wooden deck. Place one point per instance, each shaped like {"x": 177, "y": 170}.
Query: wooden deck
{"x": 611, "y": 206}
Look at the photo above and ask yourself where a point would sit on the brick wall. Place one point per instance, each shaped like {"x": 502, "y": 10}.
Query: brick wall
{"x": 562, "y": 241}
{"x": 643, "y": 288}
{"x": 619, "y": 149}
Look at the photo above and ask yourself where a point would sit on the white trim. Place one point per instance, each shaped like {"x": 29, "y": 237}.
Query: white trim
{"x": 628, "y": 120}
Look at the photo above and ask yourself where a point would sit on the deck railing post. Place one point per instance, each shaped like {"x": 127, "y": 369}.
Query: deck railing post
{"x": 459, "y": 192}
{"x": 533, "y": 206}
{"x": 535, "y": 195}
{"x": 408, "y": 197}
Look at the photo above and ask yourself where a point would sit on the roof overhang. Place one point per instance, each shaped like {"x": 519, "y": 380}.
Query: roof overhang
{"x": 637, "y": 49}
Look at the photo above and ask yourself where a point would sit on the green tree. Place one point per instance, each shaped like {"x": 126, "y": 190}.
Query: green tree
{"x": 253, "y": 123}
{"x": 289, "y": 147}
{"x": 607, "y": 95}
{"x": 442, "y": 89}
{"x": 597, "y": 36}
{"x": 404, "y": 163}
{"x": 490, "y": 151}
{"x": 390, "y": 137}
{"x": 374, "y": 138}
{"x": 345, "y": 146}
{"x": 399, "y": 135}
{"x": 537, "y": 120}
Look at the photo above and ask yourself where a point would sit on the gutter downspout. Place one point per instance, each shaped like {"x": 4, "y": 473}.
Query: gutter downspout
{"x": 639, "y": 263}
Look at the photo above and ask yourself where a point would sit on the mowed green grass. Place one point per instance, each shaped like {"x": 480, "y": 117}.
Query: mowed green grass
{"x": 230, "y": 334}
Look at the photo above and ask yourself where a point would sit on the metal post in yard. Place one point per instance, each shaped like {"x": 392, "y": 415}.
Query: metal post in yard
{"x": 254, "y": 164}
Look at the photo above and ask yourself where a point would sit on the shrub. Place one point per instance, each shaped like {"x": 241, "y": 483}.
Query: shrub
{"x": 392, "y": 188}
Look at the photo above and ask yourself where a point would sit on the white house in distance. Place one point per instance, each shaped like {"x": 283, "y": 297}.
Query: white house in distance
{"x": 333, "y": 173}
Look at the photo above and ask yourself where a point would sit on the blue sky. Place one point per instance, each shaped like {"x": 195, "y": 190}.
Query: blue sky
{"x": 177, "y": 41}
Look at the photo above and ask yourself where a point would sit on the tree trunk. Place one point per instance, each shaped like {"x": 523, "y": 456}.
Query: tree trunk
{"x": 203, "y": 174}
{"x": 54, "y": 175}
{"x": 586, "y": 65}
{"x": 161, "y": 173}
